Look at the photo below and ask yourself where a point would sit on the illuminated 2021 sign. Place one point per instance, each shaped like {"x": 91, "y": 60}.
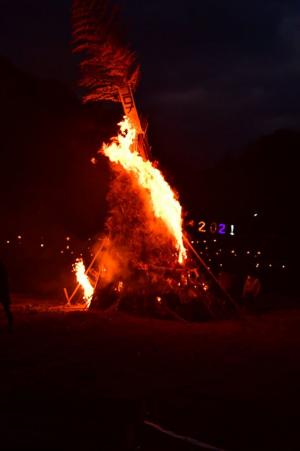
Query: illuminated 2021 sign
{"x": 214, "y": 227}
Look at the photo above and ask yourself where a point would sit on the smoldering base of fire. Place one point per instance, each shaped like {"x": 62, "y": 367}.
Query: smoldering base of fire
{"x": 183, "y": 438}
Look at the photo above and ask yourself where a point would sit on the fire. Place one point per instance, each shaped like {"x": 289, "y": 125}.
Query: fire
{"x": 164, "y": 203}
{"x": 83, "y": 280}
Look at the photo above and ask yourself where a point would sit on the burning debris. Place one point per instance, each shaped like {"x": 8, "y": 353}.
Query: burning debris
{"x": 83, "y": 281}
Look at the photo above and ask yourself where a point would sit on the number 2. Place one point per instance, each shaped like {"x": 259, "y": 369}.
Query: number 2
{"x": 202, "y": 225}
{"x": 222, "y": 228}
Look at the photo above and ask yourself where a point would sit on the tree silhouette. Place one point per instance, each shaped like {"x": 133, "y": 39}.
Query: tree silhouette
{"x": 107, "y": 64}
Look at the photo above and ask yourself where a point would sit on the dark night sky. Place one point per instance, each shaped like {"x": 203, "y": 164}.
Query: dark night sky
{"x": 215, "y": 73}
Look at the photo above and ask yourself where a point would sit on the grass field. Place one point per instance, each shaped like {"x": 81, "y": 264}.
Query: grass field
{"x": 73, "y": 380}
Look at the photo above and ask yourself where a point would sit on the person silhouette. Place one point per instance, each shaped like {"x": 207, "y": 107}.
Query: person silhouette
{"x": 5, "y": 296}
{"x": 251, "y": 288}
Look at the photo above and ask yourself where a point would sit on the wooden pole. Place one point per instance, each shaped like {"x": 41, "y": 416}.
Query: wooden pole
{"x": 66, "y": 295}
{"x": 187, "y": 241}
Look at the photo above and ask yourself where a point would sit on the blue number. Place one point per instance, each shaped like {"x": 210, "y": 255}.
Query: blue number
{"x": 222, "y": 229}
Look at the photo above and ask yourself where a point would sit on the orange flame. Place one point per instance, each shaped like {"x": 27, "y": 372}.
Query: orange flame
{"x": 164, "y": 203}
{"x": 83, "y": 280}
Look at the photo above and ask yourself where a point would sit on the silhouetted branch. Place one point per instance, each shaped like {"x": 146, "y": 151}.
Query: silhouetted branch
{"x": 107, "y": 63}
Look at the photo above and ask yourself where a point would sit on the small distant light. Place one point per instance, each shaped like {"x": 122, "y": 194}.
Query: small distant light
{"x": 68, "y": 238}
{"x": 93, "y": 160}
{"x": 283, "y": 266}
{"x": 248, "y": 252}
{"x": 258, "y": 253}
{"x": 255, "y": 215}
{"x": 214, "y": 240}
{"x": 233, "y": 251}
{"x": 221, "y": 265}
{"x": 61, "y": 252}
{"x": 7, "y": 242}
{"x": 19, "y": 237}
{"x": 270, "y": 265}
{"x": 257, "y": 265}
{"x": 204, "y": 286}
{"x": 42, "y": 244}
{"x": 68, "y": 247}
{"x": 192, "y": 242}
{"x": 204, "y": 241}
{"x": 158, "y": 299}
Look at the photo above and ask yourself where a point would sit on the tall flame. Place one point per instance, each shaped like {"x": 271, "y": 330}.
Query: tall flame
{"x": 164, "y": 203}
{"x": 83, "y": 280}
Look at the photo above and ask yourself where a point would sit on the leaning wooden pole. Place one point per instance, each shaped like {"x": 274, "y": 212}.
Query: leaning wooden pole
{"x": 130, "y": 110}
{"x": 225, "y": 292}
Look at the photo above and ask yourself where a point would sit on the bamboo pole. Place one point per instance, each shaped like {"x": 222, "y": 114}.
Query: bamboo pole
{"x": 230, "y": 298}
{"x": 66, "y": 295}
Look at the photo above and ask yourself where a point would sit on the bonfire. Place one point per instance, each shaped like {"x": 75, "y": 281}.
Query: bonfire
{"x": 142, "y": 263}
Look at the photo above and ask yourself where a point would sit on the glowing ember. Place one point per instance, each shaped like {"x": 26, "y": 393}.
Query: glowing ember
{"x": 164, "y": 203}
{"x": 83, "y": 280}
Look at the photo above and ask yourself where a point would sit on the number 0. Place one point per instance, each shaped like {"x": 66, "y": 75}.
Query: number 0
{"x": 213, "y": 227}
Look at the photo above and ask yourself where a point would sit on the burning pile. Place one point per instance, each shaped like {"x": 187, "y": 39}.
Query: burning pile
{"x": 162, "y": 201}
{"x": 142, "y": 259}
{"x": 142, "y": 263}
{"x": 144, "y": 227}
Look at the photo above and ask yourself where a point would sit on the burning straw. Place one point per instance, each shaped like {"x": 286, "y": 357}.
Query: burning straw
{"x": 159, "y": 199}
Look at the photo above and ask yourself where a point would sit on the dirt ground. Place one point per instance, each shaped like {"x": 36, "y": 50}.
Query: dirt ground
{"x": 74, "y": 380}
